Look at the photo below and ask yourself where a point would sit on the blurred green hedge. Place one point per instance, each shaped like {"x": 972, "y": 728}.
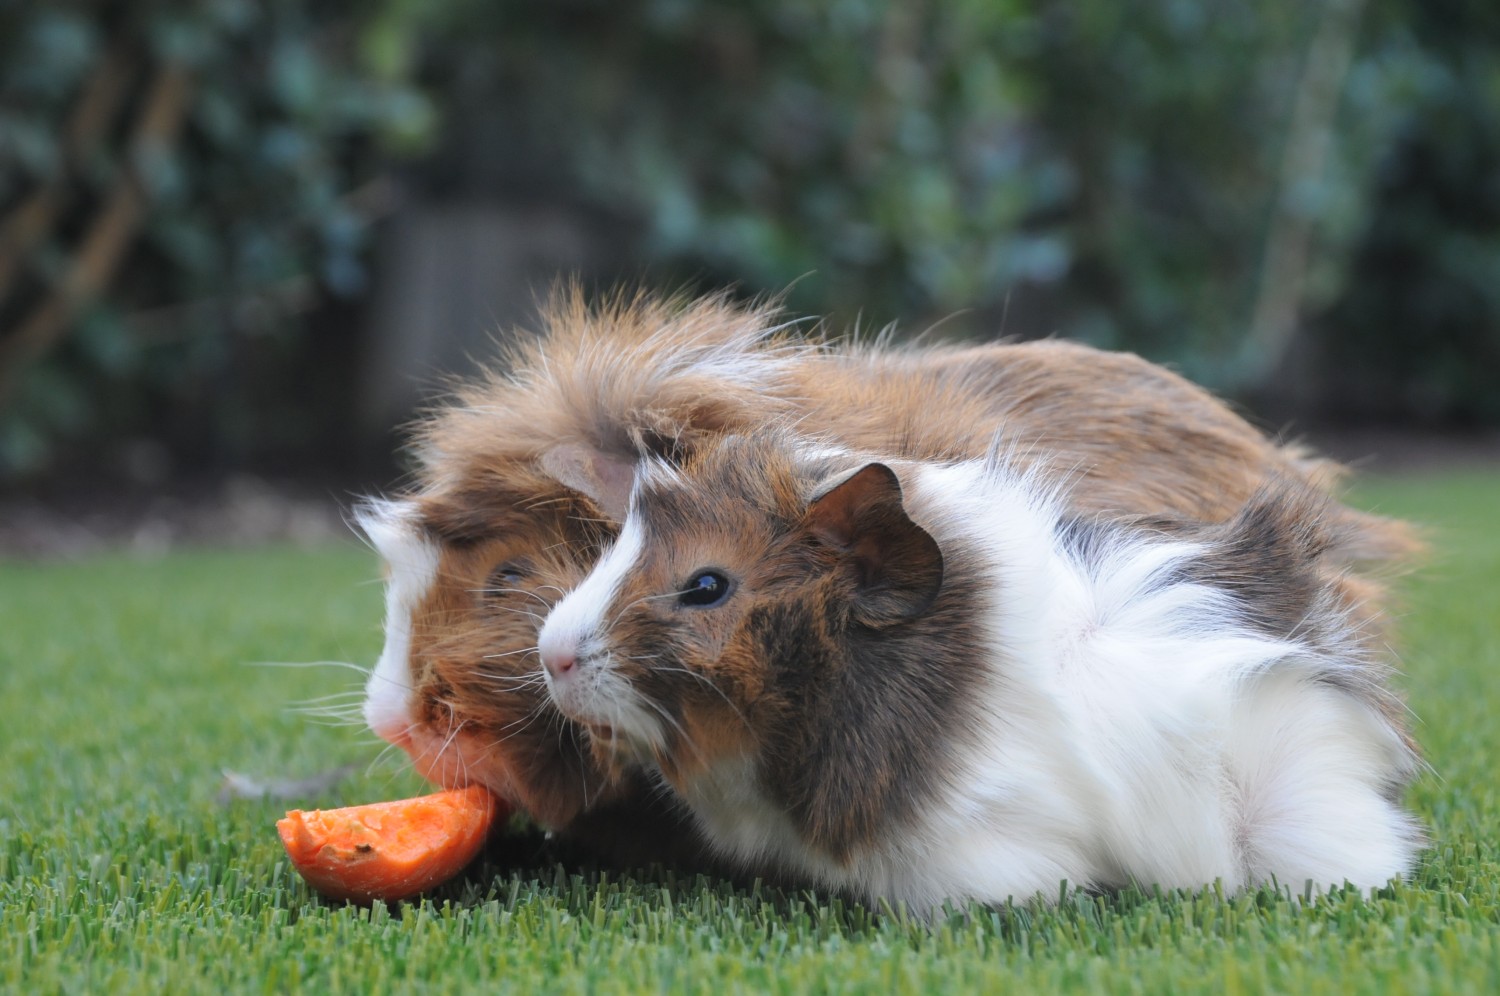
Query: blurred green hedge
{"x": 181, "y": 186}
{"x": 1251, "y": 190}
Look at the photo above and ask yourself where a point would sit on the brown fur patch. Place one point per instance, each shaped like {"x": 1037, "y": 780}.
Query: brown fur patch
{"x": 1135, "y": 437}
{"x": 601, "y": 377}
{"x": 1137, "y": 441}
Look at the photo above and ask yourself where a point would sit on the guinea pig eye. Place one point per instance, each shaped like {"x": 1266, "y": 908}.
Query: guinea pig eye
{"x": 509, "y": 575}
{"x": 707, "y": 588}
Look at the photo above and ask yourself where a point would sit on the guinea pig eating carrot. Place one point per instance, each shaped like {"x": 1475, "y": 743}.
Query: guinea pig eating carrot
{"x": 495, "y": 525}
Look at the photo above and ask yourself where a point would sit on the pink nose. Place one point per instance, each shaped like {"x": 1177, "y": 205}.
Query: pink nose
{"x": 559, "y": 662}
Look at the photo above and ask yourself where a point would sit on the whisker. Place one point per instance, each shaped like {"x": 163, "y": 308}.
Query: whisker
{"x": 362, "y": 669}
{"x": 510, "y": 653}
{"x": 341, "y": 703}
{"x": 507, "y": 591}
{"x": 522, "y": 612}
{"x": 638, "y": 601}
{"x": 352, "y": 693}
{"x": 396, "y": 771}
{"x": 524, "y": 722}
{"x": 454, "y": 726}
{"x": 705, "y": 679}
{"x": 338, "y": 698}
{"x": 514, "y": 682}
{"x": 328, "y": 709}
{"x": 681, "y": 733}
{"x": 333, "y": 719}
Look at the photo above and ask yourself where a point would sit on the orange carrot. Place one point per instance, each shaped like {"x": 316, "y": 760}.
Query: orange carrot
{"x": 390, "y": 850}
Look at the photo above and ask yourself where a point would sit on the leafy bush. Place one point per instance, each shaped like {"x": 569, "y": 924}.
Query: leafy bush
{"x": 181, "y": 187}
{"x": 1185, "y": 180}
{"x": 1246, "y": 189}
{"x": 1414, "y": 333}
{"x": 918, "y": 160}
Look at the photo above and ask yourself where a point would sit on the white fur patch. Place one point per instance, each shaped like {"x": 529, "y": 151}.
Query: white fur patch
{"x": 413, "y": 563}
{"x": 592, "y": 692}
{"x": 1130, "y": 726}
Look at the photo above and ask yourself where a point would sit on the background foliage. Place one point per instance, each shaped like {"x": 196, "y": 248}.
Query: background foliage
{"x": 183, "y": 186}
{"x": 1291, "y": 201}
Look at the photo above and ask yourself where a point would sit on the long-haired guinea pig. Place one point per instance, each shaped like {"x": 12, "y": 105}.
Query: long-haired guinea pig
{"x": 493, "y": 529}
{"x": 921, "y": 682}
{"x": 484, "y": 539}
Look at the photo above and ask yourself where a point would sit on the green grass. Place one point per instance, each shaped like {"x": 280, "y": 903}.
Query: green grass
{"x": 125, "y": 688}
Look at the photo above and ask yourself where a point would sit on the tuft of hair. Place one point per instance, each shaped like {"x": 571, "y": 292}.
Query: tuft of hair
{"x": 632, "y": 374}
{"x": 1281, "y": 558}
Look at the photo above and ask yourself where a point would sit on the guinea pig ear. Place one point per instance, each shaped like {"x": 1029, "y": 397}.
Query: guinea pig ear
{"x": 899, "y": 567}
{"x": 604, "y": 478}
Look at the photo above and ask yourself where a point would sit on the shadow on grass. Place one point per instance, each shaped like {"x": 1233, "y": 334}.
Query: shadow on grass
{"x": 529, "y": 869}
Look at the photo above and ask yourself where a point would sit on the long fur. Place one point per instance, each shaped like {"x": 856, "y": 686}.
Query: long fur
{"x": 638, "y": 375}
{"x": 1085, "y": 701}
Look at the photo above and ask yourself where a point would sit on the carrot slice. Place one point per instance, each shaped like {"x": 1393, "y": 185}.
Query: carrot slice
{"x": 389, "y": 850}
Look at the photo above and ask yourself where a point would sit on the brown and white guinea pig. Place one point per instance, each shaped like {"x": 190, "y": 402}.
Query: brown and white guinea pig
{"x": 921, "y": 682}
{"x": 491, "y": 531}
{"x": 484, "y": 539}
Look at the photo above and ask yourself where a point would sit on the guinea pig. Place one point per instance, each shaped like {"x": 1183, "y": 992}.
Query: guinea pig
{"x": 493, "y": 527}
{"x": 923, "y": 682}
{"x": 484, "y": 539}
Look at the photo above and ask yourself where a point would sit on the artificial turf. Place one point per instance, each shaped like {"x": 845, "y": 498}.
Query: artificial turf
{"x": 127, "y": 686}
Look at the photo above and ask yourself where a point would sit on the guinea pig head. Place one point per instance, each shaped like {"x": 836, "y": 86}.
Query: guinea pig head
{"x": 470, "y": 577}
{"x": 489, "y": 537}
{"x": 757, "y": 622}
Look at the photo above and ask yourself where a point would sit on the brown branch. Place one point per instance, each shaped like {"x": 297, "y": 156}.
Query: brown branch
{"x": 1283, "y": 283}
{"x": 90, "y": 121}
{"x": 104, "y": 244}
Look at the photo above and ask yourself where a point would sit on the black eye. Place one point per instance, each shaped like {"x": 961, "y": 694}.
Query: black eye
{"x": 707, "y": 588}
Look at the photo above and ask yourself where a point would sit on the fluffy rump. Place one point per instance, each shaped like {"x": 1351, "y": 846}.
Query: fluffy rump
{"x": 1159, "y": 712}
